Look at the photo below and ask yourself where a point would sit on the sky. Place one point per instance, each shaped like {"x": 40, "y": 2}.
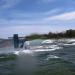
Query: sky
{"x": 25, "y": 17}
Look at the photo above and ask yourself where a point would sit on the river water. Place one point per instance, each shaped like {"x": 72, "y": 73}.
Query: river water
{"x": 54, "y": 58}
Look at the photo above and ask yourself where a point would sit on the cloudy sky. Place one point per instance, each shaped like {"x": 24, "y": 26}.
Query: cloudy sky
{"x": 35, "y": 16}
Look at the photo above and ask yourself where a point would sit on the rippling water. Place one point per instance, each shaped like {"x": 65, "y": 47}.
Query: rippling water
{"x": 54, "y": 58}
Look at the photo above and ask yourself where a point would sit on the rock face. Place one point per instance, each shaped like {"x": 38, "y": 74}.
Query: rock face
{"x": 6, "y": 43}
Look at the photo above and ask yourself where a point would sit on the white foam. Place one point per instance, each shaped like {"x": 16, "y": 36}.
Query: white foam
{"x": 53, "y": 46}
{"x": 69, "y": 44}
{"x": 36, "y": 50}
{"x": 71, "y": 40}
{"x": 44, "y": 47}
{"x": 52, "y": 56}
{"x": 35, "y": 47}
{"x": 16, "y": 52}
{"x": 27, "y": 42}
{"x": 23, "y": 52}
{"x": 47, "y": 41}
{"x": 27, "y": 51}
{"x": 33, "y": 50}
{"x": 41, "y": 50}
{"x": 53, "y": 49}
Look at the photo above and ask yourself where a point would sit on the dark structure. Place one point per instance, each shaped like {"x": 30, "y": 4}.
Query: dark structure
{"x": 16, "y": 40}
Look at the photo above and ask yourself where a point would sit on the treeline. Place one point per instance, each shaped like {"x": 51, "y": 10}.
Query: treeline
{"x": 66, "y": 34}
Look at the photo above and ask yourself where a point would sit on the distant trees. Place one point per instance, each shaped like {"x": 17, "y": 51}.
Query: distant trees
{"x": 33, "y": 36}
{"x": 55, "y": 35}
{"x": 70, "y": 33}
{"x": 67, "y": 34}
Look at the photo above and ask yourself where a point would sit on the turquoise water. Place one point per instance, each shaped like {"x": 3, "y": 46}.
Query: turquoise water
{"x": 55, "y": 61}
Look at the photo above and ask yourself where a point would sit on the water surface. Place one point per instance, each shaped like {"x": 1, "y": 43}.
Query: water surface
{"x": 58, "y": 59}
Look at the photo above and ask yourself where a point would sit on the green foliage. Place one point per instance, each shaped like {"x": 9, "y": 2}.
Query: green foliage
{"x": 35, "y": 36}
{"x": 67, "y": 34}
{"x": 7, "y": 57}
{"x": 70, "y": 33}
